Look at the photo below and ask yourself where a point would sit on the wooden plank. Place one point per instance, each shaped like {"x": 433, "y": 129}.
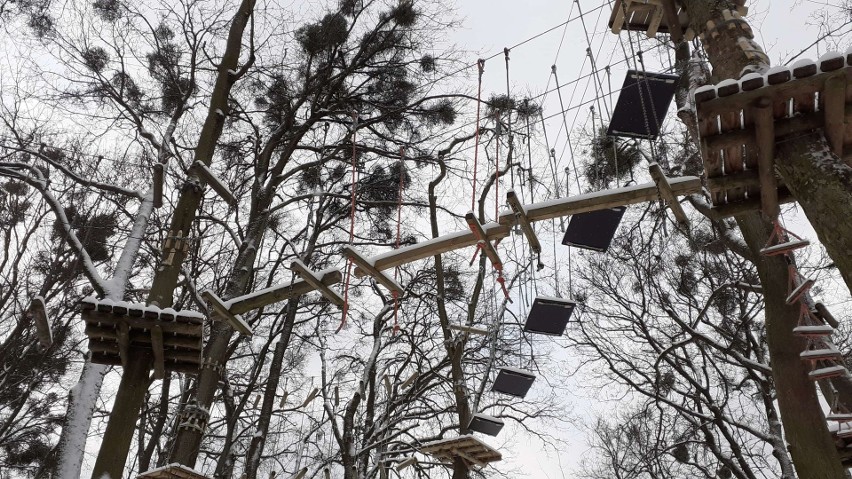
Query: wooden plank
{"x": 123, "y": 341}
{"x": 223, "y": 312}
{"x": 776, "y": 92}
{"x": 749, "y": 178}
{"x": 833, "y": 101}
{"x": 159, "y": 178}
{"x": 311, "y": 278}
{"x": 673, "y": 21}
{"x": 666, "y": 192}
{"x": 274, "y": 294}
{"x": 207, "y": 175}
{"x": 469, "y": 329}
{"x": 765, "y": 136}
{"x": 616, "y": 21}
{"x": 487, "y": 248}
{"x": 654, "y": 25}
{"x": 367, "y": 267}
{"x": 523, "y": 221}
{"x": 157, "y": 349}
{"x": 826, "y": 315}
{"x": 139, "y": 338}
{"x": 600, "y": 200}
{"x": 99, "y": 318}
{"x": 753, "y": 204}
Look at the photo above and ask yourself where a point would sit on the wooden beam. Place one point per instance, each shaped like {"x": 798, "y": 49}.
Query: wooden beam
{"x": 600, "y": 200}
{"x": 224, "y": 313}
{"x": 743, "y": 179}
{"x": 666, "y": 192}
{"x": 38, "y": 313}
{"x": 157, "y": 348}
{"x": 731, "y": 210}
{"x": 619, "y": 8}
{"x": 826, "y": 315}
{"x": 833, "y": 101}
{"x": 487, "y": 248}
{"x": 673, "y": 21}
{"x": 765, "y": 134}
{"x": 469, "y": 329}
{"x": 211, "y": 179}
{"x": 159, "y": 178}
{"x": 656, "y": 19}
{"x": 274, "y": 294}
{"x": 523, "y": 221}
{"x": 311, "y": 278}
{"x": 123, "y": 339}
{"x": 369, "y": 268}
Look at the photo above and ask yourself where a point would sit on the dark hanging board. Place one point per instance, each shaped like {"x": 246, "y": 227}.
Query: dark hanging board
{"x": 593, "y": 230}
{"x": 485, "y": 424}
{"x": 642, "y": 104}
{"x": 549, "y": 316}
{"x": 514, "y": 382}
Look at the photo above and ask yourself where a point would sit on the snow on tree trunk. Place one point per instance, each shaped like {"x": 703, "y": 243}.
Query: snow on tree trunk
{"x": 82, "y": 400}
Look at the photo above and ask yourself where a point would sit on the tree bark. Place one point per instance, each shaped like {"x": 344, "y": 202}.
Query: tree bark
{"x": 813, "y": 452}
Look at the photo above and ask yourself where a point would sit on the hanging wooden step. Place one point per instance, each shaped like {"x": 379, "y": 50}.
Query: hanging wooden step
{"x": 814, "y": 331}
{"x": 839, "y": 417}
{"x": 467, "y": 448}
{"x": 827, "y": 373}
{"x": 785, "y": 248}
{"x": 549, "y": 316}
{"x": 803, "y": 287}
{"x": 740, "y": 121}
{"x": 116, "y": 328}
{"x": 172, "y": 471}
{"x": 822, "y": 354}
{"x": 514, "y": 382}
{"x": 469, "y": 329}
{"x": 485, "y": 424}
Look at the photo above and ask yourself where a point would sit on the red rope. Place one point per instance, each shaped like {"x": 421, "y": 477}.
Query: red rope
{"x": 351, "y": 223}
{"x": 481, "y": 65}
{"x": 398, "y": 238}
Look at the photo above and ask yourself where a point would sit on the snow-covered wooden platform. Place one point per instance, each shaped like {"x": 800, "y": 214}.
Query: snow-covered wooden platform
{"x": 740, "y": 122}
{"x": 114, "y": 328}
{"x": 468, "y": 448}
{"x": 656, "y": 16}
{"x": 172, "y": 471}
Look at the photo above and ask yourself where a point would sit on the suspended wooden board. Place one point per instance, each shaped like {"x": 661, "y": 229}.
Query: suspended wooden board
{"x": 740, "y": 122}
{"x": 514, "y": 382}
{"x": 656, "y": 16}
{"x": 467, "y": 448}
{"x": 485, "y": 424}
{"x": 642, "y": 104}
{"x": 172, "y": 471}
{"x": 593, "y": 230}
{"x": 549, "y": 316}
{"x": 114, "y": 327}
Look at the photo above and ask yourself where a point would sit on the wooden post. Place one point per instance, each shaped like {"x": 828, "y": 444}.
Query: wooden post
{"x": 834, "y": 109}
{"x": 159, "y": 178}
{"x": 223, "y": 312}
{"x": 312, "y": 279}
{"x": 667, "y": 193}
{"x": 157, "y": 347}
{"x": 765, "y": 133}
{"x": 524, "y": 221}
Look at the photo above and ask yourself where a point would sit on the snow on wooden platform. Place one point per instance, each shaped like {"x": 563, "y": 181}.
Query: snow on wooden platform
{"x": 468, "y": 448}
{"x": 117, "y": 328}
{"x": 172, "y": 471}
{"x": 741, "y": 120}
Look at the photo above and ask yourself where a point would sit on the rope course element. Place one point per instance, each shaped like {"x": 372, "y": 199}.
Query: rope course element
{"x": 394, "y": 292}
{"x": 481, "y": 66}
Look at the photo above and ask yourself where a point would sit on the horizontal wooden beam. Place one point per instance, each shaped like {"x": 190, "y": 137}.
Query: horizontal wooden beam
{"x": 666, "y": 192}
{"x": 314, "y": 280}
{"x": 628, "y": 195}
{"x": 283, "y": 292}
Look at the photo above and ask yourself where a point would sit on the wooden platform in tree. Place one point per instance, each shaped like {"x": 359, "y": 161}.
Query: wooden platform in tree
{"x": 115, "y": 328}
{"x": 470, "y": 449}
{"x": 172, "y": 471}
{"x": 740, "y": 123}
{"x": 655, "y": 16}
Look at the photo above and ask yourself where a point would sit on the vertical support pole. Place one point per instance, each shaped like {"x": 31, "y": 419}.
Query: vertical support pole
{"x": 834, "y": 109}
{"x": 765, "y": 132}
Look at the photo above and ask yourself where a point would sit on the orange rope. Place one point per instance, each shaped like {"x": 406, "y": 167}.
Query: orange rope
{"x": 481, "y": 65}
{"x": 351, "y": 223}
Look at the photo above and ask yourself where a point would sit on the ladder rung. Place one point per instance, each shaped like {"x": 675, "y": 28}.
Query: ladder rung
{"x": 820, "y": 330}
{"x": 800, "y": 291}
{"x": 820, "y": 354}
{"x": 784, "y": 248}
{"x": 829, "y": 372}
{"x": 840, "y": 417}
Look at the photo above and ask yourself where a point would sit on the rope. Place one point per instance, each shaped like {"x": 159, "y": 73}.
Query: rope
{"x": 398, "y": 238}
{"x": 481, "y": 65}
{"x": 497, "y": 168}
{"x": 509, "y": 122}
{"x": 351, "y": 222}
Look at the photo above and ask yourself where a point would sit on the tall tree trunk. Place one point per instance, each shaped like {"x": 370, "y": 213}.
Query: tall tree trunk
{"x": 81, "y": 406}
{"x": 811, "y": 447}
